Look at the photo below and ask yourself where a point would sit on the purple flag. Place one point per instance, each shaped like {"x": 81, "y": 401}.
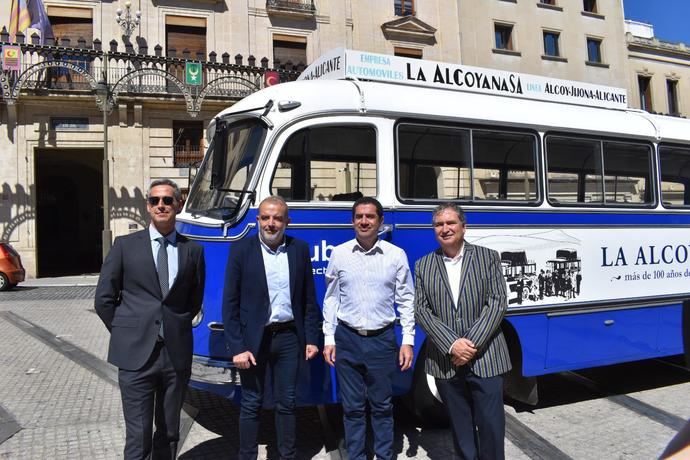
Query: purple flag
{"x": 39, "y": 19}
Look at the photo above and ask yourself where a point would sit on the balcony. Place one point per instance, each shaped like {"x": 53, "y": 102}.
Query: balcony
{"x": 298, "y": 9}
{"x": 72, "y": 69}
{"x": 186, "y": 156}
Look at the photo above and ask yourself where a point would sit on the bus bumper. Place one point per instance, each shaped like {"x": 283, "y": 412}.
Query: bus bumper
{"x": 216, "y": 376}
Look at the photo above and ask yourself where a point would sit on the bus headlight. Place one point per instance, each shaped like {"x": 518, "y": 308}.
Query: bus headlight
{"x": 199, "y": 316}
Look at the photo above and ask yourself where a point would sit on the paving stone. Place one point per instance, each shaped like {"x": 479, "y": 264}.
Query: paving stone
{"x": 67, "y": 412}
{"x": 598, "y": 429}
{"x": 61, "y": 406}
{"x": 22, "y": 294}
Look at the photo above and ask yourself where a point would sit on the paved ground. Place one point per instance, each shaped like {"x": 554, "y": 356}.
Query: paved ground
{"x": 59, "y": 399}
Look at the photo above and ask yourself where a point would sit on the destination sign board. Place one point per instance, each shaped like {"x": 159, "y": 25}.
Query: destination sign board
{"x": 342, "y": 63}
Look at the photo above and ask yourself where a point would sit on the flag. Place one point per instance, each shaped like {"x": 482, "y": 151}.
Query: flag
{"x": 19, "y": 18}
{"x": 39, "y": 19}
{"x": 271, "y": 77}
{"x": 12, "y": 57}
{"x": 193, "y": 75}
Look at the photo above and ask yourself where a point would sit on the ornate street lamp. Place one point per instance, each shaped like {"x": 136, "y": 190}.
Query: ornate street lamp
{"x": 125, "y": 19}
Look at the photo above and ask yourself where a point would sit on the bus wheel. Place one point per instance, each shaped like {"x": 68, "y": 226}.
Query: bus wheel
{"x": 423, "y": 400}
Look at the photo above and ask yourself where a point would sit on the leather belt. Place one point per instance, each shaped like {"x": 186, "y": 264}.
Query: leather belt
{"x": 367, "y": 332}
{"x": 279, "y": 327}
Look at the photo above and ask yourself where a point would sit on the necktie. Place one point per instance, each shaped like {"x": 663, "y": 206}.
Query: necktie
{"x": 162, "y": 265}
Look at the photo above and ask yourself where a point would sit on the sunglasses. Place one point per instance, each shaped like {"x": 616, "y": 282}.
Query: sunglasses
{"x": 167, "y": 200}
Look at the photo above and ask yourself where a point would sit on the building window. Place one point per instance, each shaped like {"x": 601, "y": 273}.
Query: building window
{"x": 548, "y": 2}
{"x": 404, "y": 7}
{"x": 672, "y": 94}
{"x": 289, "y": 48}
{"x": 593, "y": 50}
{"x": 504, "y": 36}
{"x": 186, "y": 33}
{"x": 645, "y": 86}
{"x": 72, "y": 23}
{"x": 590, "y": 6}
{"x": 407, "y": 52}
{"x": 188, "y": 143}
{"x": 551, "y": 44}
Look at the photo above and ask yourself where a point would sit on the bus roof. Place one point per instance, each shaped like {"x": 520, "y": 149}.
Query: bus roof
{"x": 363, "y": 97}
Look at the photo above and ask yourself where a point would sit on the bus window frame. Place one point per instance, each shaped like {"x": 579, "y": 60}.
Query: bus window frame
{"x": 252, "y": 179}
{"x": 280, "y": 139}
{"x": 538, "y": 171}
{"x": 676, "y": 145}
{"x": 653, "y": 179}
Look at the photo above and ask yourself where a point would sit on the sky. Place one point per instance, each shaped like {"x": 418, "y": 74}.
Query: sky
{"x": 669, "y": 17}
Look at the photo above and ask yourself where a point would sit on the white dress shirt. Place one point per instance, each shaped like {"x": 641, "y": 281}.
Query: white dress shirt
{"x": 454, "y": 271}
{"x": 363, "y": 286}
{"x": 277, "y": 269}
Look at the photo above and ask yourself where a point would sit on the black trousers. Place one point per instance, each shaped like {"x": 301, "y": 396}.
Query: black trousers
{"x": 156, "y": 391}
{"x": 281, "y": 351}
{"x": 475, "y": 408}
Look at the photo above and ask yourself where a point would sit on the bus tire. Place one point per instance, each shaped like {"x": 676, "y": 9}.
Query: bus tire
{"x": 423, "y": 400}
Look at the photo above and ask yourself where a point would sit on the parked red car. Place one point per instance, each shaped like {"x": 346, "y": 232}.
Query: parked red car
{"x": 11, "y": 269}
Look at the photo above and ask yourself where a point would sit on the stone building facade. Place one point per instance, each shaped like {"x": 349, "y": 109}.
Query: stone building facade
{"x": 52, "y": 134}
{"x": 658, "y": 71}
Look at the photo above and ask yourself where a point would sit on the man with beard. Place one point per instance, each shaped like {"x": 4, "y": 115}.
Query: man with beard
{"x": 271, "y": 319}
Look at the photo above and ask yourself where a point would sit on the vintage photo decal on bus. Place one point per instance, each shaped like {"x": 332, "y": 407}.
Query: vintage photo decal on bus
{"x": 555, "y": 266}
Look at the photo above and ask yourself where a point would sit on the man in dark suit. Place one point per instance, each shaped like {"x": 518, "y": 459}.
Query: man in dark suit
{"x": 460, "y": 301}
{"x": 151, "y": 287}
{"x": 271, "y": 319}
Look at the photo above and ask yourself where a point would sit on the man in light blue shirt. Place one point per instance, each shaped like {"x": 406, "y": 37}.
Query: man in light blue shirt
{"x": 271, "y": 320}
{"x": 365, "y": 278}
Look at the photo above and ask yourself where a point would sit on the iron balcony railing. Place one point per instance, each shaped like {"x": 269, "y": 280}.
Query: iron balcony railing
{"x": 298, "y": 6}
{"x": 139, "y": 73}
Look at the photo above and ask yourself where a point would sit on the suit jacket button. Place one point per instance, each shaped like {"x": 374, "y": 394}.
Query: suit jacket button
{"x": 157, "y": 322}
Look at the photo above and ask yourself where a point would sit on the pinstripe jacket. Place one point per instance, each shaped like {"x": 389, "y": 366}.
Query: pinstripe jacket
{"x": 482, "y": 306}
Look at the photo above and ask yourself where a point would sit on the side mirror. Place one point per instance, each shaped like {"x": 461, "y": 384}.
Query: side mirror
{"x": 219, "y": 155}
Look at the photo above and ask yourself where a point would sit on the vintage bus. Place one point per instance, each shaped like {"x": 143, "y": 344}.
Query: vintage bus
{"x": 543, "y": 167}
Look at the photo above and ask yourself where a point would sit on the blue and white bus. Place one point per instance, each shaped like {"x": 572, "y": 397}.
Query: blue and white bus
{"x": 587, "y": 201}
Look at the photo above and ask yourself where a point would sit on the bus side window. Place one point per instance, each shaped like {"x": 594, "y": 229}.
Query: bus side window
{"x": 594, "y": 171}
{"x": 504, "y": 166}
{"x": 628, "y": 172}
{"x": 675, "y": 175}
{"x": 327, "y": 163}
{"x": 449, "y": 163}
{"x": 573, "y": 170}
{"x": 433, "y": 162}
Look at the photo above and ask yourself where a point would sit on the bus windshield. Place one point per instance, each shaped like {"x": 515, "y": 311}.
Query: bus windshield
{"x": 244, "y": 140}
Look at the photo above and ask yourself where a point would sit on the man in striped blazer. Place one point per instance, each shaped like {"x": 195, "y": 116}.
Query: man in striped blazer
{"x": 460, "y": 301}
